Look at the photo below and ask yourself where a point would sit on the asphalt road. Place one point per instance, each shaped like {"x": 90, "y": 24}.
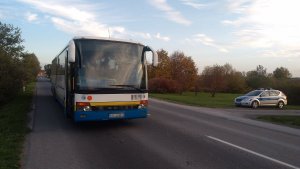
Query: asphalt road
{"x": 174, "y": 136}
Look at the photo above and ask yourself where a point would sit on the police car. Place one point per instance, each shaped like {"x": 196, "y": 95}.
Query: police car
{"x": 262, "y": 97}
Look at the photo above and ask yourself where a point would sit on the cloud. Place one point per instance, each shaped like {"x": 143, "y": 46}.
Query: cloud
{"x": 81, "y": 28}
{"x": 148, "y": 36}
{"x": 266, "y": 24}
{"x": 72, "y": 19}
{"x": 31, "y": 17}
{"x": 170, "y": 12}
{"x": 80, "y": 20}
{"x": 140, "y": 35}
{"x": 62, "y": 10}
{"x": 193, "y": 3}
{"x": 207, "y": 41}
{"x": 164, "y": 38}
{"x": 238, "y": 6}
{"x": 288, "y": 52}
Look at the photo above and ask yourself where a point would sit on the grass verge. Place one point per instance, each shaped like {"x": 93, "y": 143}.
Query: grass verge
{"x": 221, "y": 100}
{"x": 291, "y": 121}
{"x": 13, "y": 128}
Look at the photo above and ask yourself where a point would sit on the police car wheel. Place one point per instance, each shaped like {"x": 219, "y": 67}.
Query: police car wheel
{"x": 254, "y": 104}
{"x": 280, "y": 104}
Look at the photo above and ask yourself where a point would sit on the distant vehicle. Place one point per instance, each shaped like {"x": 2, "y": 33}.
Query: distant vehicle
{"x": 262, "y": 97}
{"x": 99, "y": 79}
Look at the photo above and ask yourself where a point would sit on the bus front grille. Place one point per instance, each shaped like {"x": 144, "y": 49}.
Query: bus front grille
{"x": 96, "y": 108}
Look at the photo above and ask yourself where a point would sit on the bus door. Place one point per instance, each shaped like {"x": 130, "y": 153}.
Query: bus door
{"x": 69, "y": 107}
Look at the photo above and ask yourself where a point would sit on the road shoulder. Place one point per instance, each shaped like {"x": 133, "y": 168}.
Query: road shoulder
{"x": 242, "y": 115}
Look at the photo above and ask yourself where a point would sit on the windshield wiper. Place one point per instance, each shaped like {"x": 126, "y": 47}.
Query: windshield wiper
{"x": 130, "y": 86}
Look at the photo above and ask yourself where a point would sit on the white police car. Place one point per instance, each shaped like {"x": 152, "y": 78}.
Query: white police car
{"x": 262, "y": 97}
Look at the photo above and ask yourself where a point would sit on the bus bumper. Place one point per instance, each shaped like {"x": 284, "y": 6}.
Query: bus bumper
{"x": 104, "y": 115}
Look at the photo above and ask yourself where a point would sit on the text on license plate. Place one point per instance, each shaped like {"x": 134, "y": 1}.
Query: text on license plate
{"x": 116, "y": 115}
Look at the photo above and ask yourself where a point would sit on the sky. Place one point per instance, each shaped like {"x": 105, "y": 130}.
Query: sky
{"x": 243, "y": 33}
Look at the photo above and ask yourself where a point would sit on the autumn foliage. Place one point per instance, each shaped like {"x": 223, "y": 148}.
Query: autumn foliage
{"x": 178, "y": 73}
{"x": 224, "y": 78}
{"x": 163, "y": 85}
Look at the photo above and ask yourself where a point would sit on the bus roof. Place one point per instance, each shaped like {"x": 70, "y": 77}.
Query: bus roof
{"x": 108, "y": 39}
{"x": 101, "y": 38}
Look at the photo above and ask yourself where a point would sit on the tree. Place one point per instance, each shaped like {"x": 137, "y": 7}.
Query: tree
{"x": 258, "y": 78}
{"x": 228, "y": 69}
{"x": 163, "y": 85}
{"x": 47, "y": 69}
{"x": 10, "y": 64}
{"x": 163, "y": 70}
{"x": 10, "y": 40}
{"x": 31, "y": 66}
{"x": 183, "y": 70}
{"x": 261, "y": 71}
{"x": 16, "y": 67}
{"x": 10, "y": 76}
{"x": 236, "y": 82}
{"x": 214, "y": 79}
{"x": 224, "y": 78}
{"x": 282, "y": 73}
{"x": 198, "y": 84}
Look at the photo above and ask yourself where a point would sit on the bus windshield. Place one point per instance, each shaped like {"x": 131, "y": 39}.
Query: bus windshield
{"x": 106, "y": 64}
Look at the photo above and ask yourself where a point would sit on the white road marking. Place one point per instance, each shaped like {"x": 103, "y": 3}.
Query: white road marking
{"x": 252, "y": 152}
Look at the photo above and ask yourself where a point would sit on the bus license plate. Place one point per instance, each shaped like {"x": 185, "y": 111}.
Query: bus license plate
{"x": 116, "y": 115}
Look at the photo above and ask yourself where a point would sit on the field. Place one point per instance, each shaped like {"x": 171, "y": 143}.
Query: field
{"x": 13, "y": 128}
{"x": 221, "y": 100}
{"x": 292, "y": 121}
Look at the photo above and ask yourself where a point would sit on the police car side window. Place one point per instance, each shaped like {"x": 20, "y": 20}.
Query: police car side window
{"x": 274, "y": 93}
{"x": 265, "y": 94}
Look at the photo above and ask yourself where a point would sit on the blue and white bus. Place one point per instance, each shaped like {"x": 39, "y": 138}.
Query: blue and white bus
{"x": 99, "y": 79}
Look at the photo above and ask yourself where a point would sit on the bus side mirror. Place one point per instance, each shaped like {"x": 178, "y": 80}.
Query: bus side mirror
{"x": 71, "y": 52}
{"x": 153, "y": 58}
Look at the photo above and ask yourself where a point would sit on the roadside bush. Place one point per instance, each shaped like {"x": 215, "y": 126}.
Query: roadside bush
{"x": 291, "y": 87}
{"x": 10, "y": 77}
{"x": 163, "y": 85}
{"x": 17, "y": 68}
{"x": 293, "y": 94}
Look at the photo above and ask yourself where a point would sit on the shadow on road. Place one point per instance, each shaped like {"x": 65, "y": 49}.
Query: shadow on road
{"x": 103, "y": 125}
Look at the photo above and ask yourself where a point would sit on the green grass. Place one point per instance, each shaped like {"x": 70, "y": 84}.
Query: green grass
{"x": 221, "y": 100}
{"x": 293, "y": 107}
{"x": 13, "y": 128}
{"x": 292, "y": 121}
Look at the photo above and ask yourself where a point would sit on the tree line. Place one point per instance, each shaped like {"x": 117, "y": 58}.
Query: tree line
{"x": 178, "y": 73}
{"x": 17, "y": 67}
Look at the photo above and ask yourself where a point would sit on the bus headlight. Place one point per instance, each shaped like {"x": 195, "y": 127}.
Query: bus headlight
{"x": 83, "y": 106}
{"x": 141, "y": 106}
{"x": 87, "y": 108}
